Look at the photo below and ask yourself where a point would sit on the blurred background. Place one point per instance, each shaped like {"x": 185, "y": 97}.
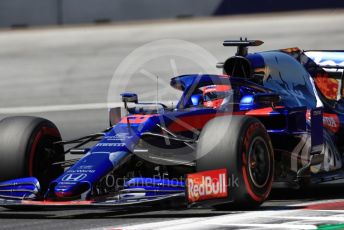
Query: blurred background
{"x": 23, "y": 13}
{"x": 58, "y": 57}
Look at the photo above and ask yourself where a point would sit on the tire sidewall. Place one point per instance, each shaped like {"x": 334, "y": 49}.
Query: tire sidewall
{"x": 248, "y": 193}
{"x": 38, "y": 164}
{"x": 230, "y": 151}
{"x": 22, "y": 141}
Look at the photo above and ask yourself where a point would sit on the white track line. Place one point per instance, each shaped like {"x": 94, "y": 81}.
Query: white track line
{"x": 315, "y": 218}
{"x": 156, "y": 225}
{"x": 290, "y": 219}
{"x": 272, "y": 226}
{"x": 324, "y": 210}
{"x": 315, "y": 202}
{"x": 235, "y": 220}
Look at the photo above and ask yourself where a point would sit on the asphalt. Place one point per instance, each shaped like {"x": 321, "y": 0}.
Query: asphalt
{"x": 72, "y": 68}
{"x": 281, "y": 200}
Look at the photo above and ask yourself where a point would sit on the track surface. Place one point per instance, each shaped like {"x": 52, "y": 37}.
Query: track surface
{"x": 40, "y": 68}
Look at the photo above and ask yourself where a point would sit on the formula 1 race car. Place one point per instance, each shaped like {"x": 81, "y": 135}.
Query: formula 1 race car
{"x": 272, "y": 118}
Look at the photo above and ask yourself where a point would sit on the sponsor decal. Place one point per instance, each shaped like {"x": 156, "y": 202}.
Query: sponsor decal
{"x": 82, "y": 170}
{"x": 85, "y": 167}
{"x": 331, "y": 121}
{"x": 74, "y": 177}
{"x": 119, "y": 137}
{"x": 207, "y": 185}
{"x": 110, "y": 144}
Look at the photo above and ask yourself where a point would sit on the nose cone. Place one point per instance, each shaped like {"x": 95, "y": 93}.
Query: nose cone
{"x": 63, "y": 190}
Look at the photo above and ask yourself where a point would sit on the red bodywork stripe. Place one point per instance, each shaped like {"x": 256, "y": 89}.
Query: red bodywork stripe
{"x": 188, "y": 123}
{"x": 262, "y": 112}
{"x": 135, "y": 119}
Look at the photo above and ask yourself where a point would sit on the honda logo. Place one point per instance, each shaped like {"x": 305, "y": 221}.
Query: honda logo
{"x": 74, "y": 177}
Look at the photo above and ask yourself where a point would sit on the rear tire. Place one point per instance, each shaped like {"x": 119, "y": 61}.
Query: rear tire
{"x": 27, "y": 149}
{"x": 242, "y": 146}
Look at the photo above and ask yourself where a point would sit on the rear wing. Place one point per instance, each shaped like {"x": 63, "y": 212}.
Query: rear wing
{"x": 327, "y": 70}
{"x": 326, "y": 59}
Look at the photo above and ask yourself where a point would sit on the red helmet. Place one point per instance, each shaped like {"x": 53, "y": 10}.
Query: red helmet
{"x": 213, "y": 95}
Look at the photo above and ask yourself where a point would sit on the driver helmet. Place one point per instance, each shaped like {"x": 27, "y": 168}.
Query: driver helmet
{"x": 214, "y": 95}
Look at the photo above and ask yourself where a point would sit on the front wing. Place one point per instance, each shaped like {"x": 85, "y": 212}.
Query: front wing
{"x": 110, "y": 203}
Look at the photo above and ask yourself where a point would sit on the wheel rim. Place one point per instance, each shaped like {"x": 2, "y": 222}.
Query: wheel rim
{"x": 259, "y": 162}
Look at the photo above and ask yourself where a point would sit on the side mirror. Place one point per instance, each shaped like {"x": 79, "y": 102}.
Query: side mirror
{"x": 197, "y": 99}
{"x": 115, "y": 115}
{"x": 129, "y": 97}
{"x": 267, "y": 98}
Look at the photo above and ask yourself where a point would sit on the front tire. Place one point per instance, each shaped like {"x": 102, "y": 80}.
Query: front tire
{"x": 27, "y": 149}
{"x": 242, "y": 146}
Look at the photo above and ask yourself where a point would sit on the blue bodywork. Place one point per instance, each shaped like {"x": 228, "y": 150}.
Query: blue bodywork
{"x": 274, "y": 72}
{"x": 23, "y": 188}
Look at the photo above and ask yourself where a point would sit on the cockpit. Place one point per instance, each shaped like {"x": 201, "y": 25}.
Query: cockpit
{"x": 214, "y": 95}
{"x": 271, "y": 72}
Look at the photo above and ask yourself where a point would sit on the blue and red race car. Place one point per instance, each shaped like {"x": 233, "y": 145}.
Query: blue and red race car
{"x": 273, "y": 118}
